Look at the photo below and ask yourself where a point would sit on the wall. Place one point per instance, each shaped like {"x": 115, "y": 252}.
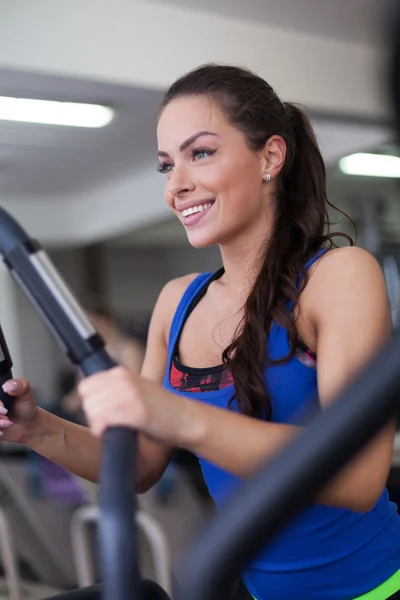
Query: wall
{"x": 134, "y": 277}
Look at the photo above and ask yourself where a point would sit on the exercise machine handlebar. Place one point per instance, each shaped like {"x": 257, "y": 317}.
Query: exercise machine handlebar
{"x": 32, "y": 268}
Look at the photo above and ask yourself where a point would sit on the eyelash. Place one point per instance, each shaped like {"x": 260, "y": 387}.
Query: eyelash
{"x": 163, "y": 167}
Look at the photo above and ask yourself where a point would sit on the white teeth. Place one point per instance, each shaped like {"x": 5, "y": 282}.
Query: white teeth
{"x": 196, "y": 209}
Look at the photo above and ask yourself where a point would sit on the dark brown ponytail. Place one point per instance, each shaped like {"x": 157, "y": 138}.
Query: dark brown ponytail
{"x": 301, "y": 225}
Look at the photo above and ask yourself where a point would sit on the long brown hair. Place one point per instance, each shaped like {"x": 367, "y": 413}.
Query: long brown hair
{"x": 301, "y": 224}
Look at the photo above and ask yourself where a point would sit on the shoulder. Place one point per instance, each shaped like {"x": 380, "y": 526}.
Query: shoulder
{"x": 173, "y": 291}
{"x": 168, "y": 301}
{"x": 346, "y": 265}
{"x": 344, "y": 279}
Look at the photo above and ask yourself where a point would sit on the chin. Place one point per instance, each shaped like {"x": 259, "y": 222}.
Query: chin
{"x": 201, "y": 239}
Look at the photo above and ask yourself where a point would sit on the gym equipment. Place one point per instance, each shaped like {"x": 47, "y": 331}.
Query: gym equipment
{"x": 81, "y": 543}
{"x": 33, "y": 270}
{"x": 280, "y": 490}
{"x": 6, "y": 542}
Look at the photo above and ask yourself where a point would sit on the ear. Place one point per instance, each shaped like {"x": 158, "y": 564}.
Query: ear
{"x": 273, "y": 156}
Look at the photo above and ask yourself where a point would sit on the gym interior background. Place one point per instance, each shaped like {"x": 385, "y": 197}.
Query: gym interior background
{"x": 93, "y": 198}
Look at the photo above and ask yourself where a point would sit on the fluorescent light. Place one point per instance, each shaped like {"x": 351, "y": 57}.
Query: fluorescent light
{"x": 70, "y": 114}
{"x": 370, "y": 165}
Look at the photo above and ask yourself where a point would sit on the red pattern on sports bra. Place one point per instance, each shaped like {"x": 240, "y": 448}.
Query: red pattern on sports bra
{"x": 197, "y": 380}
{"x": 186, "y": 379}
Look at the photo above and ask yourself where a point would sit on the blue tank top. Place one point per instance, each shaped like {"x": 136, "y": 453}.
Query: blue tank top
{"x": 325, "y": 553}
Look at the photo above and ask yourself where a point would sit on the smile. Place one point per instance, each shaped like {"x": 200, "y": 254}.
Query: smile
{"x": 196, "y": 209}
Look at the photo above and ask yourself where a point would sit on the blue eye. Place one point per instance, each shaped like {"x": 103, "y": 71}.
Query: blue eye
{"x": 200, "y": 153}
{"x": 164, "y": 167}
{"x": 196, "y": 154}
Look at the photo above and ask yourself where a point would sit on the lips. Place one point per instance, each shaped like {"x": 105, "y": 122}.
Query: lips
{"x": 185, "y": 206}
{"x": 194, "y": 214}
{"x": 196, "y": 209}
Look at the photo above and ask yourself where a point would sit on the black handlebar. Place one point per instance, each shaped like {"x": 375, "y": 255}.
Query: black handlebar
{"x": 117, "y": 500}
{"x": 119, "y": 545}
{"x": 290, "y": 481}
{"x": 33, "y": 270}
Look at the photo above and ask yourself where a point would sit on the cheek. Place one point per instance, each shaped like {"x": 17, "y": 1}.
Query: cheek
{"x": 219, "y": 178}
{"x": 241, "y": 183}
{"x": 168, "y": 197}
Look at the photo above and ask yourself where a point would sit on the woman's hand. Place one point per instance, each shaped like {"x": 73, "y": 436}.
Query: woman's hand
{"x": 119, "y": 397}
{"x": 19, "y": 426}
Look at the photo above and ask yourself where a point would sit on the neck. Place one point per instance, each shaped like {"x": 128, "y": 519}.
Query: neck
{"x": 242, "y": 259}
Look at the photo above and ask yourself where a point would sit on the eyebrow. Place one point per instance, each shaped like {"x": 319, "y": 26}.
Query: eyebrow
{"x": 189, "y": 141}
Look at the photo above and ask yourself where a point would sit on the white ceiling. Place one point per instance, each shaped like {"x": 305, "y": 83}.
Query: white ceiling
{"x": 47, "y": 161}
{"x": 347, "y": 20}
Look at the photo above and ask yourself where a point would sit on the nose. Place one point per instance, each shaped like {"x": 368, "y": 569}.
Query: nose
{"x": 179, "y": 183}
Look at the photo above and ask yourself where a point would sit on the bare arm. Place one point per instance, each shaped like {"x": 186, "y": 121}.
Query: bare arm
{"x": 71, "y": 446}
{"x": 74, "y": 447}
{"x": 131, "y": 355}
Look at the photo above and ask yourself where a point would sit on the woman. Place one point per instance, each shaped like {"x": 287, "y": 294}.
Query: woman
{"x": 235, "y": 359}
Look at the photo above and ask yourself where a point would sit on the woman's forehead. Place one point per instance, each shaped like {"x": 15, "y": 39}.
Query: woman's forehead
{"x": 183, "y": 117}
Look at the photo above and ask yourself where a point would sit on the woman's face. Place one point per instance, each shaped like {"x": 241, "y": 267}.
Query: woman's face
{"x": 213, "y": 181}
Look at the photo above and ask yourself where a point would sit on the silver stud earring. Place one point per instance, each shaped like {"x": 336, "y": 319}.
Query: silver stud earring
{"x": 267, "y": 177}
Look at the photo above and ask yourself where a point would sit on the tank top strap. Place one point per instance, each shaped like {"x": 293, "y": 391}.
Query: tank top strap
{"x": 308, "y": 264}
{"x": 184, "y": 305}
{"x": 314, "y": 259}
